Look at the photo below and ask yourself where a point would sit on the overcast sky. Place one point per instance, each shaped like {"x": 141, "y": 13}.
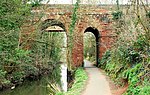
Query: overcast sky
{"x": 90, "y": 1}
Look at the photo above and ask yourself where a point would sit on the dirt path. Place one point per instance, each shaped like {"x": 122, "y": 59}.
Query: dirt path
{"x": 97, "y": 83}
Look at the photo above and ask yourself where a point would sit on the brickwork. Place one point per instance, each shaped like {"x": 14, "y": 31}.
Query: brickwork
{"x": 95, "y": 18}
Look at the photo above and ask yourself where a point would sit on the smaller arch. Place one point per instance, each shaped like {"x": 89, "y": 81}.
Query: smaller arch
{"x": 97, "y": 36}
{"x": 93, "y": 30}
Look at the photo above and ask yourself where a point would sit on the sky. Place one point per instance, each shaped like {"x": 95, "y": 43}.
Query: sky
{"x": 89, "y": 1}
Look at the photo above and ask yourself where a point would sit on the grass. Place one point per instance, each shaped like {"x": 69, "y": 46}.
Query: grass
{"x": 79, "y": 83}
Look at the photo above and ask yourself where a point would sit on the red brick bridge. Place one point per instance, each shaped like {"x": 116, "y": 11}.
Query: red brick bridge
{"x": 94, "y": 19}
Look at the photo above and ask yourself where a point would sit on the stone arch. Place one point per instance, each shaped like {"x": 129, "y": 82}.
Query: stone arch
{"x": 51, "y": 22}
{"x": 97, "y": 36}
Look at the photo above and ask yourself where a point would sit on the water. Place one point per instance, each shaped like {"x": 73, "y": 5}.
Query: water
{"x": 39, "y": 87}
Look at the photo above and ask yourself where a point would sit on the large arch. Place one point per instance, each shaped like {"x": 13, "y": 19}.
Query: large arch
{"x": 97, "y": 36}
{"x": 47, "y": 26}
{"x": 51, "y": 22}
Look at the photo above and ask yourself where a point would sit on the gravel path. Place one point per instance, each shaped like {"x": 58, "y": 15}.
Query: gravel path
{"x": 97, "y": 83}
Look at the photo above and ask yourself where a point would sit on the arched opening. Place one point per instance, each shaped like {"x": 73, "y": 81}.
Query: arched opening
{"x": 54, "y": 33}
{"x": 96, "y": 35}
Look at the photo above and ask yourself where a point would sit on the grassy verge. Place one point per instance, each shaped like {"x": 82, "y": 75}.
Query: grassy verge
{"x": 79, "y": 83}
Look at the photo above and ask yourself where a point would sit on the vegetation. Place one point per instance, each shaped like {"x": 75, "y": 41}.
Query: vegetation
{"x": 32, "y": 53}
{"x": 117, "y": 15}
{"x": 71, "y": 36}
{"x": 79, "y": 83}
{"x": 25, "y": 56}
{"x": 129, "y": 59}
{"x": 89, "y": 47}
{"x": 27, "y": 51}
{"x": 11, "y": 57}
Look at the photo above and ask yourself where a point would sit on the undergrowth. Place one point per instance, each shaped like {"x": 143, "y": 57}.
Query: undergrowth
{"x": 25, "y": 55}
{"x": 128, "y": 65}
{"x": 128, "y": 61}
{"x": 79, "y": 83}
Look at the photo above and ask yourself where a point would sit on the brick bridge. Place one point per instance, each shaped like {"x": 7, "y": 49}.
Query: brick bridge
{"x": 94, "y": 19}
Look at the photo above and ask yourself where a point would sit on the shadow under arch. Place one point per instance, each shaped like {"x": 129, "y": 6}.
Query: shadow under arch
{"x": 97, "y": 36}
{"x": 51, "y": 22}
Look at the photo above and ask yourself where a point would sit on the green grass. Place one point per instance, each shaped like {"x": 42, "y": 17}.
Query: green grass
{"x": 79, "y": 83}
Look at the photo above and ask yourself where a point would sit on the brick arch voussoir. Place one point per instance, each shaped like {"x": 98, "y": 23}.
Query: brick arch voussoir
{"x": 61, "y": 21}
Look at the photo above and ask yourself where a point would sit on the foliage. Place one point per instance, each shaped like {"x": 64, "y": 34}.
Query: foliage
{"x": 43, "y": 86}
{"x": 79, "y": 82}
{"x": 89, "y": 47}
{"x": 119, "y": 69}
{"x": 12, "y": 14}
{"x": 55, "y": 76}
{"x": 30, "y": 70}
{"x": 3, "y": 80}
{"x": 133, "y": 76}
{"x": 105, "y": 58}
{"x": 140, "y": 44}
{"x": 17, "y": 77}
{"x": 117, "y": 15}
{"x": 71, "y": 33}
{"x": 17, "y": 62}
{"x": 36, "y": 3}
{"x": 128, "y": 60}
{"x": 74, "y": 16}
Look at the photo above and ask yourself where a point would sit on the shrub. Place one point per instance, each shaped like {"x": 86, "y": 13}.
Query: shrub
{"x": 3, "y": 80}
{"x": 105, "y": 59}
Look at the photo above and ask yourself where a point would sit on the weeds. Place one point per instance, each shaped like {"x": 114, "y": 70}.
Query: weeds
{"x": 79, "y": 82}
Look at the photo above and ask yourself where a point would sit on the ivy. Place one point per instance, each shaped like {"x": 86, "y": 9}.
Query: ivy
{"x": 117, "y": 15}
{"x": 71, "y": 33}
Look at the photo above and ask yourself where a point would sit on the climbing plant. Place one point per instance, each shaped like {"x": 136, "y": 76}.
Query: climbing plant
{"x": 70, "y": 35}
